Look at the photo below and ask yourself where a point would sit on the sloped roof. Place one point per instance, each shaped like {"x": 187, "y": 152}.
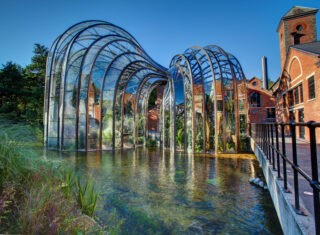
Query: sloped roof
{"x": 298, "y": 11}
{"x": 253, "y": 79}
{"x": 311, "y": 47}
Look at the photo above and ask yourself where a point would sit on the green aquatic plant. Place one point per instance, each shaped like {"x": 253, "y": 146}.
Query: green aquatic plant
{"x": 87, "y": 197}
{"x": 69, "y": 181}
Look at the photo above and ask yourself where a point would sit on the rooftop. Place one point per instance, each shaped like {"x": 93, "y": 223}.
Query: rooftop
{"x": 311, "y": 47}
{"x": 298, "y": 11}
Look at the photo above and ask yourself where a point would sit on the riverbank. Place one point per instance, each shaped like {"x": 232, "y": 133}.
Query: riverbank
{"x": 39, "y": 195}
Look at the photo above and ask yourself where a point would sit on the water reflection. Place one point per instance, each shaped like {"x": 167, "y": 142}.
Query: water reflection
{"x": 158, "y": 192}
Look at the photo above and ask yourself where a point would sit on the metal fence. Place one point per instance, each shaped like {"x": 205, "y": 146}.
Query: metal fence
{"x": 267, "y": 135}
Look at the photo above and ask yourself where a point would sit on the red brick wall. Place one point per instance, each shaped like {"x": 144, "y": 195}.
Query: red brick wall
{"x": 288, "y": 26}
{"x": 298, "y": 75}
{"x": 259, "y": 114}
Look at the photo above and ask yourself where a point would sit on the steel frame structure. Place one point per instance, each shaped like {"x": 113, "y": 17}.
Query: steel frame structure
{"x": 215, "y": 103}
{"x": 98, "y": 82}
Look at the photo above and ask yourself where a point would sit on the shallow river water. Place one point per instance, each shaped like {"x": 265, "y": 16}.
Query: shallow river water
{"x": 157, "y": 192}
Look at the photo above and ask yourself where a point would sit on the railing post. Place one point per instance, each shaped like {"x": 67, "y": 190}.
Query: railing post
{"x": 268, "y": 143}
{"x": 260, "y": 136}
{"x": 258, "y": 131}
{"x": 294, "y": 165}
{"x": 272, "y": 144}
{"x": 266, "y": 139}
{"x": 315, "y": 175}
{"x": 285, "y": 183}
{"x": 278, "y": 159}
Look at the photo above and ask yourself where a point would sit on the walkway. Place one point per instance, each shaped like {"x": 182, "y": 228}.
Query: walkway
{"x": 304, "y": 161}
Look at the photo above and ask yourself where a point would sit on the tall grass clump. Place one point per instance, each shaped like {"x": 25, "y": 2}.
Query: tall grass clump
{"x": 87, "y": 197}
{"x": 37, "y": 195}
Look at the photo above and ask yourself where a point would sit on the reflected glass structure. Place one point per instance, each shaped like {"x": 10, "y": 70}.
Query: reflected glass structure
{"x": 99, "y": 80}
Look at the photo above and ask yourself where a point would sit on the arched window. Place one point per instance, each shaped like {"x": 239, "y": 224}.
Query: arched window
{"x": 255, "y": 99}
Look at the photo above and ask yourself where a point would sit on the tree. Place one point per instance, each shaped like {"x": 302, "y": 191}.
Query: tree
{"x": 21, "y": 90}
{"x": 34, "y": 85}
{"x": 11, "y": 85}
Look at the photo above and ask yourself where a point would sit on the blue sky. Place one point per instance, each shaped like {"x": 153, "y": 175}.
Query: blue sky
{"x": 244, "y": 28}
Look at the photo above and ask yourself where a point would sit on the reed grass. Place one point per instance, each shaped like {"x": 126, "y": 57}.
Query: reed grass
{"x": 37, "y": 195}
{"x": 87, "y": 197}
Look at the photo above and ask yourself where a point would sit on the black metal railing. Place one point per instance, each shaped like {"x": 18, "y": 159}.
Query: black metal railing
{"x": 265, "y": 134}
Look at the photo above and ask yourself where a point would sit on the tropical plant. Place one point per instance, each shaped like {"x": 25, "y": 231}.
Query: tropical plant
{"x": 180, "y": 137}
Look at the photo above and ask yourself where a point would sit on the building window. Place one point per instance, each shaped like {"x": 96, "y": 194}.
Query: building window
{"x": 220, "y": 105}
{"x": 299, "y": 27}
{"x": 290, "y": 98}
{"x": 271, "y": 113}
{"x": 296, "y": 96}
{"x": 296, "y": 37}
{"x": 291, "y": 116}
{"x": 241, "y": 105}
{"x": 284, "y": 100}
{"x": 254, "y": 84}
{"x": 311, "y": 88}
{"x": 255, "y": 99}
{"x": 301, "y": 93}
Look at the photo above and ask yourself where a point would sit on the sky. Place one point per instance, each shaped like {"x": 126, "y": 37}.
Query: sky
{"x": 245, "y": 28}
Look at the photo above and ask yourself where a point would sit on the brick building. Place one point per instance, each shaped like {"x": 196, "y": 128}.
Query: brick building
{"x": 261, "y": 102}
{"x": 298, "y": 88}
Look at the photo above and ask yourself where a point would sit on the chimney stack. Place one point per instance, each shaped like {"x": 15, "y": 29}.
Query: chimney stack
{"x": 265, "y": 82}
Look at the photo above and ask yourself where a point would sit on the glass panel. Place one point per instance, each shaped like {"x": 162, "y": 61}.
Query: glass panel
{"x": 311, "y": 88}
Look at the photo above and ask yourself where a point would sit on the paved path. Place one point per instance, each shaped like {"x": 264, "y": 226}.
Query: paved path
{"x": 304, "y": 161}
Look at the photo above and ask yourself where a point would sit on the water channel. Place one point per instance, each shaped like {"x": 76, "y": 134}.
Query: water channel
{"x": 157, "y": 192}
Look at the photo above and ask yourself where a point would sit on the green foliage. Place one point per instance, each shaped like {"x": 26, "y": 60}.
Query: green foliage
{"x": 199, "y": 142}
{"x": 151, "y": 143}
{"x": 230, "y": 145}
{"x": 87, "y": 197}
{"x": 22, "y": 89}
{"x": 180, "y": 137}
{"x": 69, "y": 181}
{"x": 152, "y": 98}
{"x": 36, "y": 194}
{"x": 11, "y": 87}
{"x": 180, "y": 130}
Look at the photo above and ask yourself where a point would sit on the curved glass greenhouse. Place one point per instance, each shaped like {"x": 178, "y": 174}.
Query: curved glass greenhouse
{"x": 99, "y": 82}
